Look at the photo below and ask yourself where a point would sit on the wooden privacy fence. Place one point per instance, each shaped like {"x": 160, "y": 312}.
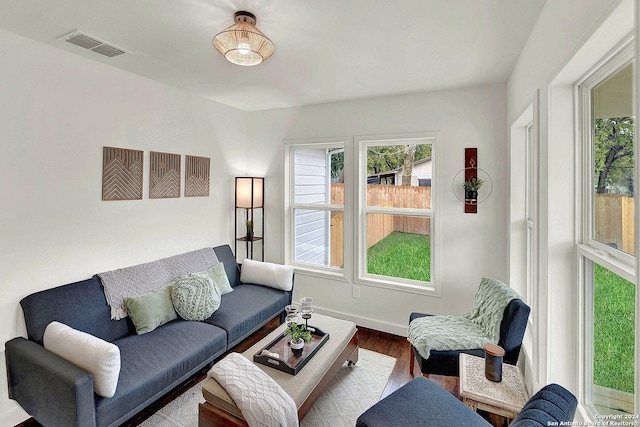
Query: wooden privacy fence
{"x": 400, "y": 196}
{"x": 614, "y": 221}
{"x": 380, "y": 226}
{"x": 614, "y": 218}
{"x": 337, "y": 239}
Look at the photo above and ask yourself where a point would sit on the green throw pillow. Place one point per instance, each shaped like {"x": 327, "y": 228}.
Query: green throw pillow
{"x": 195, "y": 297}
{"x": 219, "y": 277}
{"x": 150, "y": 310}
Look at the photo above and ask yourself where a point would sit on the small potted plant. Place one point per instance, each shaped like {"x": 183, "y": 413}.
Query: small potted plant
{"x": 249, "y": 225}
{"x": 299, "y": 335}
{"x": 471, "y": 188}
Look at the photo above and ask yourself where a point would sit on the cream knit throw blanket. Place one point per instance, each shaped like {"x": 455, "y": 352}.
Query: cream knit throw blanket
{"x": 261, "y": 400}
{"x": 468, "y": 331}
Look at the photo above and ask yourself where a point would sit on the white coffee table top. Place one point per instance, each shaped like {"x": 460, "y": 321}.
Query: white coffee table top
{"x": 510, "y": 393}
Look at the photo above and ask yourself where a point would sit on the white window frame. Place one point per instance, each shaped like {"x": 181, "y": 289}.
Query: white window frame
{"x": 531, "y": 209}
{"x": 620, "y": 59}
{"x": 355, "y": 213}
{"x": 362, "y": 277}
{"x": 524, "y": 252}
{"x": 291, "y": 206}
{"x": 590, "y": 251}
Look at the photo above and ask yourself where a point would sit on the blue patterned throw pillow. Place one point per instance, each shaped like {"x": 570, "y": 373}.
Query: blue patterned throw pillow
{"x": 195, "y": 297}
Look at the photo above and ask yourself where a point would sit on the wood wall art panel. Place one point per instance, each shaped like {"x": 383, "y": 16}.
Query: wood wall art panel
{"x": 121, "y": 174}
{"x": 196, "y": 177}
{"x": 164, "y": 175}
{"x": 470, "y": 171}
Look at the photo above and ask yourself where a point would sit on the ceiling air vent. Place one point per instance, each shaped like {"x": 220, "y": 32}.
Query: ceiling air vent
{"x": 92, "y": 43}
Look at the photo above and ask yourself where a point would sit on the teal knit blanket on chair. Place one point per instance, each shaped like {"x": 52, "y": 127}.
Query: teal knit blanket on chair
{"x": 471, "y": 330}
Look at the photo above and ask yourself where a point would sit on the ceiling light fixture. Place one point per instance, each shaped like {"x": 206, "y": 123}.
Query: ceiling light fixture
{"x": 242, "y": 43}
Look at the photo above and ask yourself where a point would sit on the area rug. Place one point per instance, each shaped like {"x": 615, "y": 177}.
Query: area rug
{"x": 353, "y": 390}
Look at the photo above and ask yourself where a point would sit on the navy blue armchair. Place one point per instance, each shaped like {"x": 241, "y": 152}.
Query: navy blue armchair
{"x": 512, "y": 328}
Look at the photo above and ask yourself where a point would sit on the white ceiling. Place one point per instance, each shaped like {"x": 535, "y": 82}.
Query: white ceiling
{"x": 326, "y": 50}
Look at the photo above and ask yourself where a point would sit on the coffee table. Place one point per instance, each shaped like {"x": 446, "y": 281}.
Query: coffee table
{"x": 304, "y": 388}
{"x": 504, "y": 398}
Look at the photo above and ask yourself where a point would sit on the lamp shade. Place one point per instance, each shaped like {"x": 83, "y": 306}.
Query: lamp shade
{"x": 249, "y": 192}
{"x": 242, "y": 43}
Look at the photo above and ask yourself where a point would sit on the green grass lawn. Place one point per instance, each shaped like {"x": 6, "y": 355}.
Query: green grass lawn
{"x": 404, "y": 255}
{"x": 614, "y": 300}
{"x": 407, "y": 256}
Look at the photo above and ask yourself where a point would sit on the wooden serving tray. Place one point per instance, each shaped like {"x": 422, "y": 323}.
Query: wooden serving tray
{"x": 287, "y": 362}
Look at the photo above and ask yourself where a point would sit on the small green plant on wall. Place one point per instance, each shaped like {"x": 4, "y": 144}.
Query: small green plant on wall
{"x": 471, "y": 187}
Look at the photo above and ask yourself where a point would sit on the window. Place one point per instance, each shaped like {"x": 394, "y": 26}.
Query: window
{"x": 531, "y": 166}
{"x": 612, "y": 365}
{"x": 375, "y": 226}
{"x": 612, "y": 156}
{"x": 524, "y": 228}
{"x": 317, "y": 204}
{"x": 396, "y": 211}
{"x": 607, "y": 254}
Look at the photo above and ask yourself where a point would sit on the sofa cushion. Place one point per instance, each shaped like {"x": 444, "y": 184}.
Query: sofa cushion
{"x": 154, "y": 363}
{"x": 96, "y": 356}
{"x": 267, "y": 274}
{"x": 150, "y": 310}
{"x": 218, "y": 274}
{"x": 246, "y": 309}
{"x": 228, "y": 259}
{"x": 81, "y": 305}
{"x": 195, "y": 297}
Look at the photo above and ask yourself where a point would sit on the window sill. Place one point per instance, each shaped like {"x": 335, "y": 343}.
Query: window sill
{"x": 321, "y": 272}
{"x": 421, "y": 289}
{"x": 339, "y": 275}
{"x": 612, "y": 263}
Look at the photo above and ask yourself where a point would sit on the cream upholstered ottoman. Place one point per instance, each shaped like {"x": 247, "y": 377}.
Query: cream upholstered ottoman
{"x": 304, "y": 388}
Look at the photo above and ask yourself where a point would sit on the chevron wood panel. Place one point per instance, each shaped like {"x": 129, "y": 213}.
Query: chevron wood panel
{"x": 196, "y": 177}
{"x": 121, "y": 174}
{"x": 164, "y": 175}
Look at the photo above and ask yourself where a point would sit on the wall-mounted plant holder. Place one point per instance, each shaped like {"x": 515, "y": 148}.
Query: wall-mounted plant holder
{"x": 472, "y": 185}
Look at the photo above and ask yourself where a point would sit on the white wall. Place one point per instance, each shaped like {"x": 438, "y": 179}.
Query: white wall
{"x": 312, "y": 185}
{"x": 574, "y": 30}
{"x": 473, "y": 245}
{"x": 564, "y": 25}
{"x": 57, "y": 111}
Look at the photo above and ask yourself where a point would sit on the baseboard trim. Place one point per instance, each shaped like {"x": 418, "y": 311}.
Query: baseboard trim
{"x": 367, "y": 322}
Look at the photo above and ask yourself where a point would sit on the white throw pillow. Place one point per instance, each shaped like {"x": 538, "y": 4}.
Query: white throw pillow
{"x": 96, "y": 356}
{"x": 265, "y": 273}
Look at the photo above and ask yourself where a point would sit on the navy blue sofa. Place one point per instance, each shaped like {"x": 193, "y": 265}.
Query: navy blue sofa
{"x": 55, "y": 392}
{"x": 421, "y": 402}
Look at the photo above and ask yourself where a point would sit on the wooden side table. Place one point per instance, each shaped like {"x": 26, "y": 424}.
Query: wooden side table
{"x": 504, "y": 398}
